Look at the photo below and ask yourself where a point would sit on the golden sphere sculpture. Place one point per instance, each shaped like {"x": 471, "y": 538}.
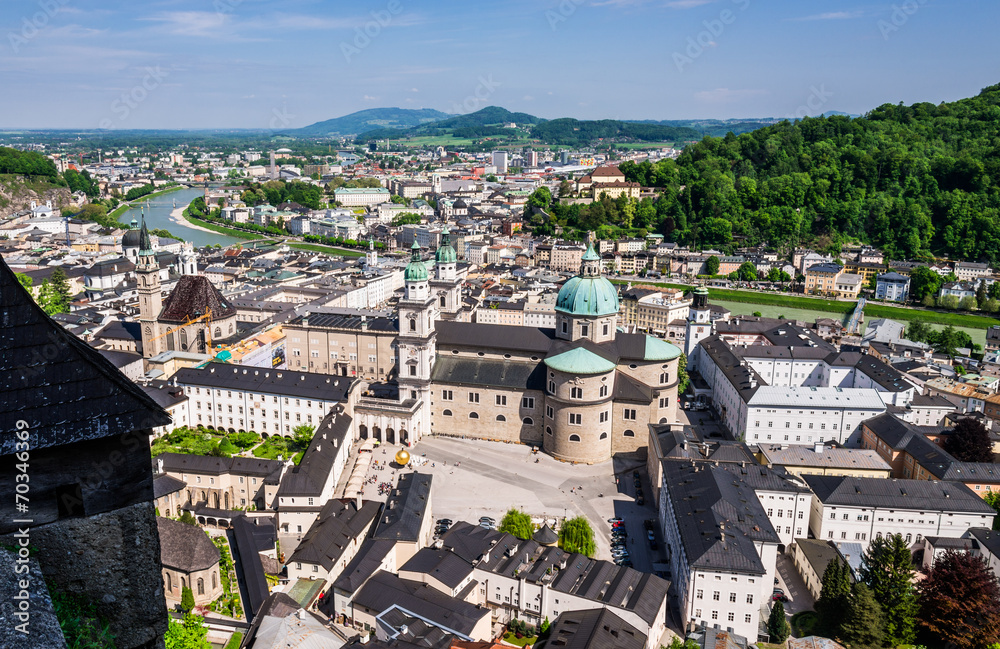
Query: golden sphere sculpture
{"x": 402, "y": 457}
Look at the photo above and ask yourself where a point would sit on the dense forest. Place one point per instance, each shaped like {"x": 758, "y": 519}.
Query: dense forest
{"x": 26, "y": 163}
{"x": 572, "y": 132}
{"x": 918, "y": 181}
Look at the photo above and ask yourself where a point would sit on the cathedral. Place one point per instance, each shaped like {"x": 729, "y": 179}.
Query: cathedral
{"x": 582, "y": 392}
{"x": 193, "y": 315}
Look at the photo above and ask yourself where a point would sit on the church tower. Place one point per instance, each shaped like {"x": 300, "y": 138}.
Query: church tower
{"x": 699, "y": 325}
{"x": 371, "y": 259}
{"x": 150, "y": 301}
{"x": 587, "y": 305}
{"x": 417, "y": 343}
{"x": 447, "y": 285}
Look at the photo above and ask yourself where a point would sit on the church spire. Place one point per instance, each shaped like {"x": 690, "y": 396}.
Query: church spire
{"x": 145, "y": 245}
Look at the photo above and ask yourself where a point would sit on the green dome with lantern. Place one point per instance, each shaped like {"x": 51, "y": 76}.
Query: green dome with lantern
{"x": 588, "y": 294}
{"x": 445, "y": 253}
{"x": 416, "y": 270}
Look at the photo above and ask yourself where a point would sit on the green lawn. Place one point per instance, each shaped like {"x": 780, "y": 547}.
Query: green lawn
{"x": 239, "y": 234}
{"x": 523, "y": 642}
{"x": 275, "y": 446}
{"x": 843, "y": 307}
{"x": 343, "y": 252}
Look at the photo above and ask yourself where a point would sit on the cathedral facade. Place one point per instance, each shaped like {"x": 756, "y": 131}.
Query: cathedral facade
{"x": 582, "y": 392}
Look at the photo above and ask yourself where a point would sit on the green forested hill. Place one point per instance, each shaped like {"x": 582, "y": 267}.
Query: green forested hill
{"x": 916, "y": 180}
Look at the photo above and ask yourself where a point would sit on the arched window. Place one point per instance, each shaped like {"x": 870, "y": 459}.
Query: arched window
{"x": 184, "y": 339}
{"x": 604, "y": 435}
{"x": 527, "y": 421}
{"x": 230, "y": 327}
{"x": 215, "y": 581}
{"x": 473, "y": 415}
{"x": 218, "y": 332}
{"x": 628, "y": 433}
{"x": 548, "y": 430}
{"x": 574, "y": 438}
{"x": 665, "y": 377}
{"x": 501, "y": 418}
{"x": 201, "y": 586}
{"x": 413, "y": 324}
{"x": 170, "y": 583}
{"x": 446, "y": 413}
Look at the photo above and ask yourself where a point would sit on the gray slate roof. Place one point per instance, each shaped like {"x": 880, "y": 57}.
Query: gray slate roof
{"x": 64, "y": 390}
{"x": 337, "y": 526}
{"x": 364, "y": 564}
{"x": 405, "y": 509}
{"x": 329, "y": 440}
{"x": 718, "y": 516}
{"x": 922, "y": 495}
{"x": 185, "y": 547}
{"x": 443, "y": 565}
{"x": 287, "y": 383}
{"x": 596, "y": 628}
{"x": 458, "y": 370}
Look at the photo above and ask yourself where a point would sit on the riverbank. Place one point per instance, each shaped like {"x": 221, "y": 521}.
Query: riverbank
{"x": 124, "y": 207}
{"x": 217, "y": 229}
{"x": 177, "y": 216}
{"x": 906, "y": 314}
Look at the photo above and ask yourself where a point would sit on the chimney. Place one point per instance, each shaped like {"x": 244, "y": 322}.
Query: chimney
{"x": 819, "y": 447}
{"x": 301, "y": 614}
{"x": 159, "y": 465}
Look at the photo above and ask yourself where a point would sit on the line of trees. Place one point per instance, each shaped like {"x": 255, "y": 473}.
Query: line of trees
{"x": 956, "y": 603}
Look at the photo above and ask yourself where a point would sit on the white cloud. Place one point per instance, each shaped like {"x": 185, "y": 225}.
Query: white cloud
{"x": 528, "y": 98}
{"x": 414, "y": 90}
{"x": 831, "y": 15}
{"x": 370, "y": 98}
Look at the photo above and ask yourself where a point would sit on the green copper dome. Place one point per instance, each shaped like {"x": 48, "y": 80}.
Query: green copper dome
{"x": 588, "y": 294}
{"x": 445, "y": 253}
{"x": 416, "y": 270}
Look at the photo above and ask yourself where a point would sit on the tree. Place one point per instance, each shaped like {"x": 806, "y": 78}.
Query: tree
{"x": 968, "y": 303}
{"x": 923, "y": 282}
{"x": 886, "y": 570}
{"x": 406, "y": 218}
{"x": 575, "y": 535}
{"x": 992, "y": 499}
{"x": 187, "y": 635}
{"x": 834, "y": 596}
{"x": 959, "y": 600}
{"x": 981, "y": 294}
{"x": 969, "y": 442}
{"x": 24, "y": 281}
{"x": 187, "y": 517}
{"x": 541, "y": 198}
{"x": 863, "y": 624}
{"x": 516, "y": 523}
{"x": 949, "y": 302}
{"x": 682, "y": 375}
{"x": 777, "y": 625}
{"x": 565, "y": 188}
{"x": 917, "y": 331}
{"x": 303, "y": 434}
{"x": 712, "y": 265}
{"x": 187, "y": 599}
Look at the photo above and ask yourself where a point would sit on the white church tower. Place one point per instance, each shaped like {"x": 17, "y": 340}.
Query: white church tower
{"x": 699, "y": 325}
{"x": 417, "y": 343}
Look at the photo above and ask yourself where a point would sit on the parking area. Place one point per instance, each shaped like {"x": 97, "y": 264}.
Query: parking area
{"x": 789, "y": 580}
{"x": 474, "y": 478}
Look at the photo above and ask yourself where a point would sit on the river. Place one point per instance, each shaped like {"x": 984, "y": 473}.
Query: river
{"x": 807, "y": 315}
{"x": 158, "y": 216}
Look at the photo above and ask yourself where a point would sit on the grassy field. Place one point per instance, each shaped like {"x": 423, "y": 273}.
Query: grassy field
{"x": 968, "y": 320}
{"x": 330, "y": 250}
{"x": 239, "y": 234}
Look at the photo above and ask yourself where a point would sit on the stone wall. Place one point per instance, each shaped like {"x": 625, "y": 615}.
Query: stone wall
{"x": 112, "y": 559}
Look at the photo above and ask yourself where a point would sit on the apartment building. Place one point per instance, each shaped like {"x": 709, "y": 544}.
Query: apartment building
{"x": 342, "y": 345}
{"x": 861, "y": 509}
{"x": 822, "y": 278}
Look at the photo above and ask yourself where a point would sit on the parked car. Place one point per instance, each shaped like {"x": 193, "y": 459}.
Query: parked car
{"x": 615, "y": 520}
{"x": 653, "y": 545}
{"x": 640, "y": 500}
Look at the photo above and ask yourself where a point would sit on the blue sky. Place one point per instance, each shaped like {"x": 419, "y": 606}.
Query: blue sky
{"x": 276, "y": 65}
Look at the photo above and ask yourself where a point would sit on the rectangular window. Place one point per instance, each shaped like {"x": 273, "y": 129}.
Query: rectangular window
{"x": 604, "y": 417}
{"x": 576, "y": 418}
{"x": 629, "y": 414}
{"x": 447, "y": 395}
{"x": 501, "y": 399}
{"x": 548, "y": 411}
{"x": 473, "y": 397}
{"x": 528, "y": 403}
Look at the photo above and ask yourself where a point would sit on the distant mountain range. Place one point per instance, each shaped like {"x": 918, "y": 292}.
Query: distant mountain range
{"x": 370, "y": 120}
{"x": 395, "y": 123}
